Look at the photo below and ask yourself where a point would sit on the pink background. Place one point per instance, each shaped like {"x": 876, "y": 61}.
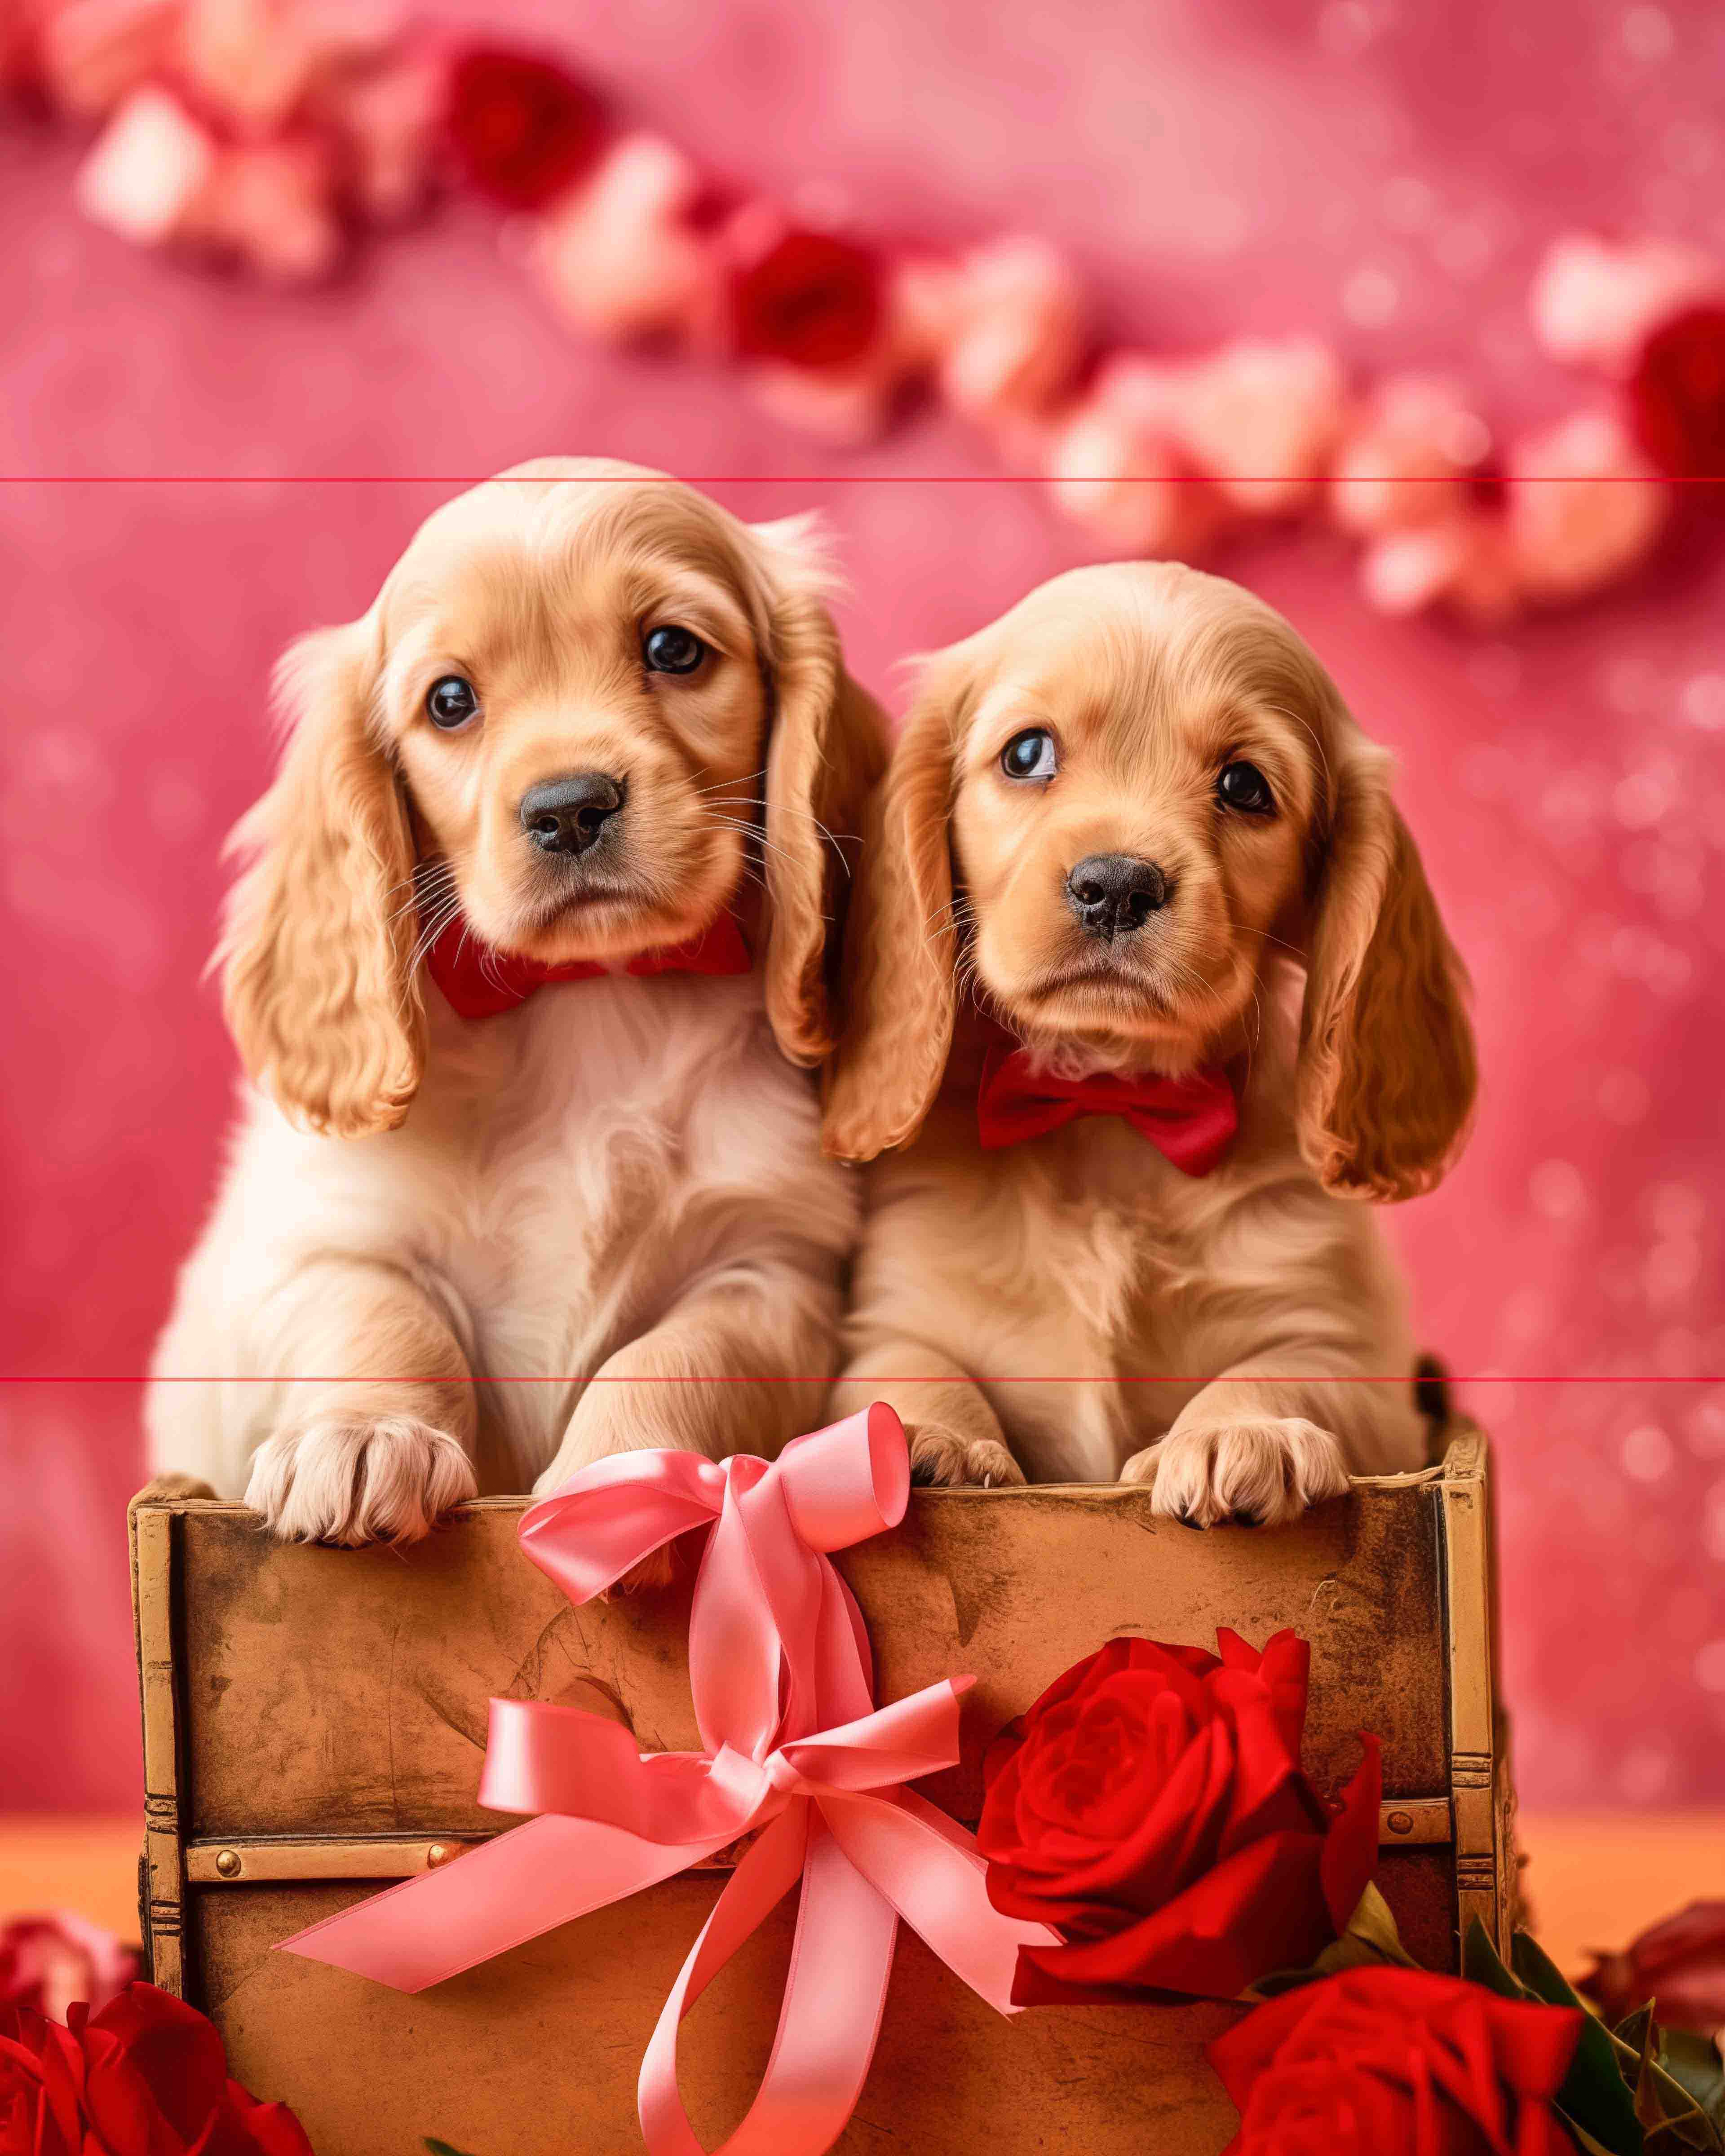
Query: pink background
{"x": 1386, "y": 174}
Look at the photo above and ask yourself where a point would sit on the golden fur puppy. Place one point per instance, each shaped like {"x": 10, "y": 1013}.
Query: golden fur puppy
{"x": 1120, "y": 826}
{"x": 590, "y": 719}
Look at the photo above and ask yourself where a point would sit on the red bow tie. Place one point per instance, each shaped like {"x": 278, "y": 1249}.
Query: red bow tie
{"x": 479, "y": 982}
{"x": 1191, "y": 1122}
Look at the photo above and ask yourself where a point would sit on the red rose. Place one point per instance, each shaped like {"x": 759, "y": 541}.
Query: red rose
{"x": 1151, "y": 1808}
{"x": 52, "y": 1962}
{"x": 1679, "y": 1964}
{"x": 811, "y": 300}
{"x": 524, "y": 129}
{"x": 146, "y": 2077}
{"x": 1394, "y": 2063}
{"x": 1677, "y": 393}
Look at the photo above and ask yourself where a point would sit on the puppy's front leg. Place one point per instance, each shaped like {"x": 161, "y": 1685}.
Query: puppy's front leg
{"x": 956, "y": 1438}
{"x": 378, "y": 1435}
{"x": 1258, "y": 1445}
{"x": 738, "y": 1365}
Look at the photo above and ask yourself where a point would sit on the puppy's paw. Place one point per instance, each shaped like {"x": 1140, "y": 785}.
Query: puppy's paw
{"x": 940, "y": 1459}
{"x": 1266, "y": 1472}
{"x": 168, "y": 1490}
{"x": 351, "y": 1479}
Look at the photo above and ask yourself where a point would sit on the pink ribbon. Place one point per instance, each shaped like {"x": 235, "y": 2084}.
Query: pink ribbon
{"x": 795, "y": 1752}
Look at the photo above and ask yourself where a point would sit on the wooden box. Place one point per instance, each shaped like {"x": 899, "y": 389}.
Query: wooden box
{"x": 315, "y": 1719}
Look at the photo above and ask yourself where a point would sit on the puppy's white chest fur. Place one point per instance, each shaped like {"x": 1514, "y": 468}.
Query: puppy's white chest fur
{"x": 566, "y": 1170}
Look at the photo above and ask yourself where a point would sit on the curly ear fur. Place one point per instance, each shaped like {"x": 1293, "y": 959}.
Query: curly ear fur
{"x": 899, "y": 962}
{"x": 319, "y": 927}
{"x": 1387, "y": 1074}
{"x": 826, "y": 748}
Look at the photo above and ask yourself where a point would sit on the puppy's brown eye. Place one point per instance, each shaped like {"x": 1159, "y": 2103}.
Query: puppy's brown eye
{"x": 451, "y": 702}
{"x": 672, "y": 651}
{"x": 1244, "y": 786}
{"x": 1030, "y": 755}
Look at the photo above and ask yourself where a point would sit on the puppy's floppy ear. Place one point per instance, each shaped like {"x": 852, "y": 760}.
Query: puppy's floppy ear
{"x": 900, "y": 964}
{"x": 826, "y": 747}
{"x": 1387, "y": 1074}
{"x": 319, "y": 926}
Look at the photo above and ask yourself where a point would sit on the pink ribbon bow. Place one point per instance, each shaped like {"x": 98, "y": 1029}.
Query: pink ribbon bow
{"x": 794, "y": 1747}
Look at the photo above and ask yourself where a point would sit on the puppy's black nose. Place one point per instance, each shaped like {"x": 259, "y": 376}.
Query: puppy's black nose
{"x": 566, "y": 815}
{"x": 1114, "y": 894}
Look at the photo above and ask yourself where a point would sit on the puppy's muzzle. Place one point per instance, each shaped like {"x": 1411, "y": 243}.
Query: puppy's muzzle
{"x": 568, "y": 815}
{"x": 1116, "y": 893}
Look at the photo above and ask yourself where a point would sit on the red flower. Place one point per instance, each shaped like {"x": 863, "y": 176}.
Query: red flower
{"x": 1394, "y": 2063}
{"x": 51, "y": 1961}
{"x": 1151, "y": 1808}
{"x": 523, "y": 129}
{"x": 146, "y": 2077}
{"x": 1679, "y": 1964}
{"x": 1677, "y": 393}
{"x": 811, "y": 300}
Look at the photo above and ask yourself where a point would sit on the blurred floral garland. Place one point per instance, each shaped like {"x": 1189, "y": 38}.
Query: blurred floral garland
{"x": 274, "y": 132}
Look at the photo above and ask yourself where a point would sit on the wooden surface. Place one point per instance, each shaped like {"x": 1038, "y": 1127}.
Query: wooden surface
{"x": 1594, "y": 1878}
{"x": 344, "y": 1692}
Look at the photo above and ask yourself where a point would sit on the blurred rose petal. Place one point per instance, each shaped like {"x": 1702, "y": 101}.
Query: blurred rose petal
{"x": 272, "y": 205}
{"x": 1676, "y": 394}
{"x": 149, "y": 166}
{"x": 1679, "y": 1964}
{"x": 619, "y": 256}
{"x": 1117, "y": 475}
{"x": 1584, "y": 505}
{"x": 1462, "y": 560}
{"x": 253, "y": 60}
{"x": 1261, "y": 418}
{"x": 95, "y": 53}
{"x": 523, "y": 128}
{"x": 1014, "y": 333}
{"x": 1594, "y": 302}
{"x": 50, "y": 1962}
{"x": 1403, "y": 455}
{"x": 388, "y": 117}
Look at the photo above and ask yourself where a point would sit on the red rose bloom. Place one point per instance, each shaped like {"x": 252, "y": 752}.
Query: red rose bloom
{"x": 523, "y": 129}
{"x": 1677, "y": 394}
{"x": 1679, "y": 1964}
{"x": 1394, "y": 2063}
{"x": 1151, "y": 1808}
{"x": 811, "y": 300}
{"x": 146, "y": 2077}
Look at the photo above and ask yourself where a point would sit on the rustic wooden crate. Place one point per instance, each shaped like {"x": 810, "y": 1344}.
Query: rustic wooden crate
{"x": 315, "y": 1719}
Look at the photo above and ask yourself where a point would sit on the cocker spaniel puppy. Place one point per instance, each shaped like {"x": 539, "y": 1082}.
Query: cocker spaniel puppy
{"x": 1116, "y": 1238}
{"x": 529, "y": 950}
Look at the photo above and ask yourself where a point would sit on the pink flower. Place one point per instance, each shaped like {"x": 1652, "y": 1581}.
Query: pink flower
{"x": 1401, "y": 460}
{"x": 95, "y": 53}
{"x": 619, "y": 257}
{"x": 1584, "y": 506}
{"x": 1462, "y": 559}
{"x": 1594, "y": 303}
{"x": 1117, "y": 475}
{"x": 1261, "y": 418}
{"x": 1014, "y": 331}
{"x": 150, "y": 164}
{"x": 388, "y": 117}
{"x": 255, "y": 61}
{"x": 49, "y": 1962}
{"x": 272, "y": 204}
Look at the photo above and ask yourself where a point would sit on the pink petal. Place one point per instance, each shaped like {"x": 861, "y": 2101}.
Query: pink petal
{"x": 1594, "y": 303}
{"x": 148, "y": 167}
